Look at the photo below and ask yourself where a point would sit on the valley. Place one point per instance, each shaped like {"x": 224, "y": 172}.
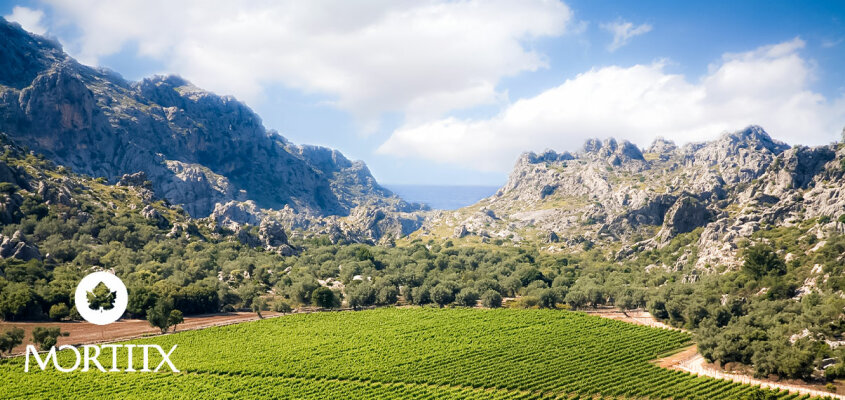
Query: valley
{"x": 735, "y": 245}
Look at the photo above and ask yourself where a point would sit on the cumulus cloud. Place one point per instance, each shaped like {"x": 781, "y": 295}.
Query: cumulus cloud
{"x": 768, "y": 86}
{"x": 622, "y": 32}
{"x": 28, "y": 18}
{"x": 418, "y": 58}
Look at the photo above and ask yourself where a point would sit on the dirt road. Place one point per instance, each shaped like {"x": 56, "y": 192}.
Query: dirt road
{"x": 689, "y": 360}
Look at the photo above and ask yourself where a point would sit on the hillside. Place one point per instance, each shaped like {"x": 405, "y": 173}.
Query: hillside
{"x": 618, "y": 197}
{"x": 58, "y": 226}
{"x": 206, "y": 152}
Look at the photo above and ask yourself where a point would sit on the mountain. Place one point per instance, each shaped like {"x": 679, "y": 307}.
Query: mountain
{"x": 617, "y": 197}
{"x": 199, "y": 150}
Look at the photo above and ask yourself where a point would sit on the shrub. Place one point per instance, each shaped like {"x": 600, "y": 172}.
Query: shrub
{"x": 467, "y": 297}
{"x": 59, "y": 311}
{"x": 491, "y": 299}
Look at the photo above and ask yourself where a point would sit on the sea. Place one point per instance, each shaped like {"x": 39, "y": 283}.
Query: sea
{"x": 443, "y": 197}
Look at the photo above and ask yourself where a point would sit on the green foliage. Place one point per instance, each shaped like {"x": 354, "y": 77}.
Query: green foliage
{"x": 467, "y": 297}
{"x": 203, "y": 269}
{"x": 10, "y": 338}
{"x": 59, "y": 311}
{"x": 491, "y": 299}
{"x": 8, "y": 188}
{"x": 325, "y": 298}
{"x": 45, "y": 338}
{"x": 361, "y": 295}
{"x": 760, "y": 260}
{"x": 442, "y": 294}
{"x": 163, "y": 316}
{"x": 175, "y": 318}
{"x": 282, "y": 306}
{"x": 259, "y": 305}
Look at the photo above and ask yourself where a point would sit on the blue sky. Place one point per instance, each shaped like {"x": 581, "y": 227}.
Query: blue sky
{"x": 441, "y": 92}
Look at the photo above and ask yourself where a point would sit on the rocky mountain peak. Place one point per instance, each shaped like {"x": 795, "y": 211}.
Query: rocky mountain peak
{"x": 661, "y": 146}
{"x": 614, "y": 152}
{"x": 751, "y": 137}
{"x": 23, "y": 56}
{"x": 196, "y": 148}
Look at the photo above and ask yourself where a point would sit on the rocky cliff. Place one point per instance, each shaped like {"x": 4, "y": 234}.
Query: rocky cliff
{"x": 197, "y": 149}
{"x": 614, "y": 195}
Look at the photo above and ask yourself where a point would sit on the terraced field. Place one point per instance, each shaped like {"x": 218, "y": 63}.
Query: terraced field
{"x": 419, "y": 353}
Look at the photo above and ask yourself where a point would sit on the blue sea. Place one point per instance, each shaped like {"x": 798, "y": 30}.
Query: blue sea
{"x": 443, "y": 197}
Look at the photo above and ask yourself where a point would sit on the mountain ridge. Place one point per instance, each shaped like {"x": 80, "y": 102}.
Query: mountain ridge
{"x": 198, "y": 149}
{"x": 613, "y": 195}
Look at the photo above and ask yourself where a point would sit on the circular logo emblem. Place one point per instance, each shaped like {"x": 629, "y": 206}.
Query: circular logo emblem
{"x": 108, "y": 305}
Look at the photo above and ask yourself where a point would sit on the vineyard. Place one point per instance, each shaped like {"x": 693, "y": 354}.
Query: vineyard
{"x": 420, "y": 353}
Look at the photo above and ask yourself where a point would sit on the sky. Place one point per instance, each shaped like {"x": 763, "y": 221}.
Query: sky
{"x": 451, "y": 92}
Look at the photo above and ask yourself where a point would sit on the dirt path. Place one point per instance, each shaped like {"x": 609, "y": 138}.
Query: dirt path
{"x": 639, "y": 317}
{"x": 86, "y": 333}
{"x": 690, "y": 361}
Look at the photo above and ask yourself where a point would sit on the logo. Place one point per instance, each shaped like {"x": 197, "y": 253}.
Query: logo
{"x": 97, "y": 307}
{"x": 101, "y": 298}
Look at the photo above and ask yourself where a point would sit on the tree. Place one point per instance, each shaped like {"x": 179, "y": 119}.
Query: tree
{"x": 420, "y": 295}
{"x": 512, "y": 285}
{"x": 163, "y": 315}
{"x": 491, "y": 299}
{"x": 576, "y": 299}
{"x": 386, "y": 294}
{"x": 548, "y": 298}
{"x": 301, "y": 291}
{"x": 361, "y": 295}
{"x": 467, "y": 297}
{"x": 259, "y": 305}
{"x": 141, "y": 299}
{"x": 324, "y": 297}
{"x": 46, "y": 338}
{"x": 14, "y": 299}
{"x": 282, "y": 307}
{"x": 10, "y": 339}
{"x": 442, "y": 295}
{"x": 175, "y": 318}
{"x": 761, "y": 260}
{"x": 59, "y": 311}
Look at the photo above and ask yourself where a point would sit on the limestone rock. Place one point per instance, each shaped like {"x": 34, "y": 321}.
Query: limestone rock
{"x": 18, "y": 247}
{"x": 235, "y": 213}
{"x": 138, "y": 179}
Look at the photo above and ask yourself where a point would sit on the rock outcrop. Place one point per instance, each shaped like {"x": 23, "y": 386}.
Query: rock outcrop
{"x": 273, "y": 237}
{"x": 18, "y": 247}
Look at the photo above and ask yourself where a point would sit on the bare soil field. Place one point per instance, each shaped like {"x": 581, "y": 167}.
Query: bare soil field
{"x": 639, "y": 317}
{"x": 87, "y": 333}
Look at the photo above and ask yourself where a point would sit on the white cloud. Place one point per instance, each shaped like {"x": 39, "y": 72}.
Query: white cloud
{"x": 768, "y": 86}
{"x": 29, "y": 19}
{"x": 419, "y": 58}
{"x": 622, "y": 32}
